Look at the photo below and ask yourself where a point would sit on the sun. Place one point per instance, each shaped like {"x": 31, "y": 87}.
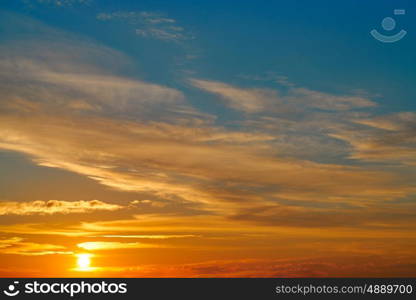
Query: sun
{"x": 84, "y": 262}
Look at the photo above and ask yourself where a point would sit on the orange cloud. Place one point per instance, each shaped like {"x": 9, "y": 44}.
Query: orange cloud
{"x": 113, "y": 245}
{"x": 18, "y": 246}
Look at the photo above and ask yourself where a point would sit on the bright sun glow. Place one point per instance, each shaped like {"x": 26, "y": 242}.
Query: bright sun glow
{"x": 84, "y": 262}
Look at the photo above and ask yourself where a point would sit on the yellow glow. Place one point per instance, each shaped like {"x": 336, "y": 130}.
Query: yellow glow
{"x": 84, "y": 262}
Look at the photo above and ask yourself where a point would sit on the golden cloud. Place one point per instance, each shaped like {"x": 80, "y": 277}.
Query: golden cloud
{"x": 330, "y": 266}
{"x": 384, "y": 138}
{"x": 114, "y": 245}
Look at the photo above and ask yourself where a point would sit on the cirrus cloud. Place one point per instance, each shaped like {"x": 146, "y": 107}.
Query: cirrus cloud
{"x": 54, "y": 206}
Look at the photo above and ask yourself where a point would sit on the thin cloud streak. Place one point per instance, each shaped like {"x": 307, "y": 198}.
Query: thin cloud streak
{"x": 291, "y": 174}
{"x": 149, "y": 25}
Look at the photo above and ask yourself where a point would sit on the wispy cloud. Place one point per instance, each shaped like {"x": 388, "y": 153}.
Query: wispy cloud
{"x": 329, "y": 266}
{"x": 247, "y": 100}
{"x": 54, "y": 206}
{"x": 151, "y": 236}
{"x": 18, "y": 246}
{"x": 58, "y": 3}
{"x": 254, "y": 100}
{"x": 114, "y": 245}
{"x": 384, "y": 138}
{"x": 138, "y": 136}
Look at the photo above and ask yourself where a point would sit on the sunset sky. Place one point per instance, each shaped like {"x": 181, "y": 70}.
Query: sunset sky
{"x": 206, "y": 139}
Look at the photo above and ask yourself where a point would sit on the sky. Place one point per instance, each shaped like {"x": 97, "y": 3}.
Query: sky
{"x": 206, "y": 139}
